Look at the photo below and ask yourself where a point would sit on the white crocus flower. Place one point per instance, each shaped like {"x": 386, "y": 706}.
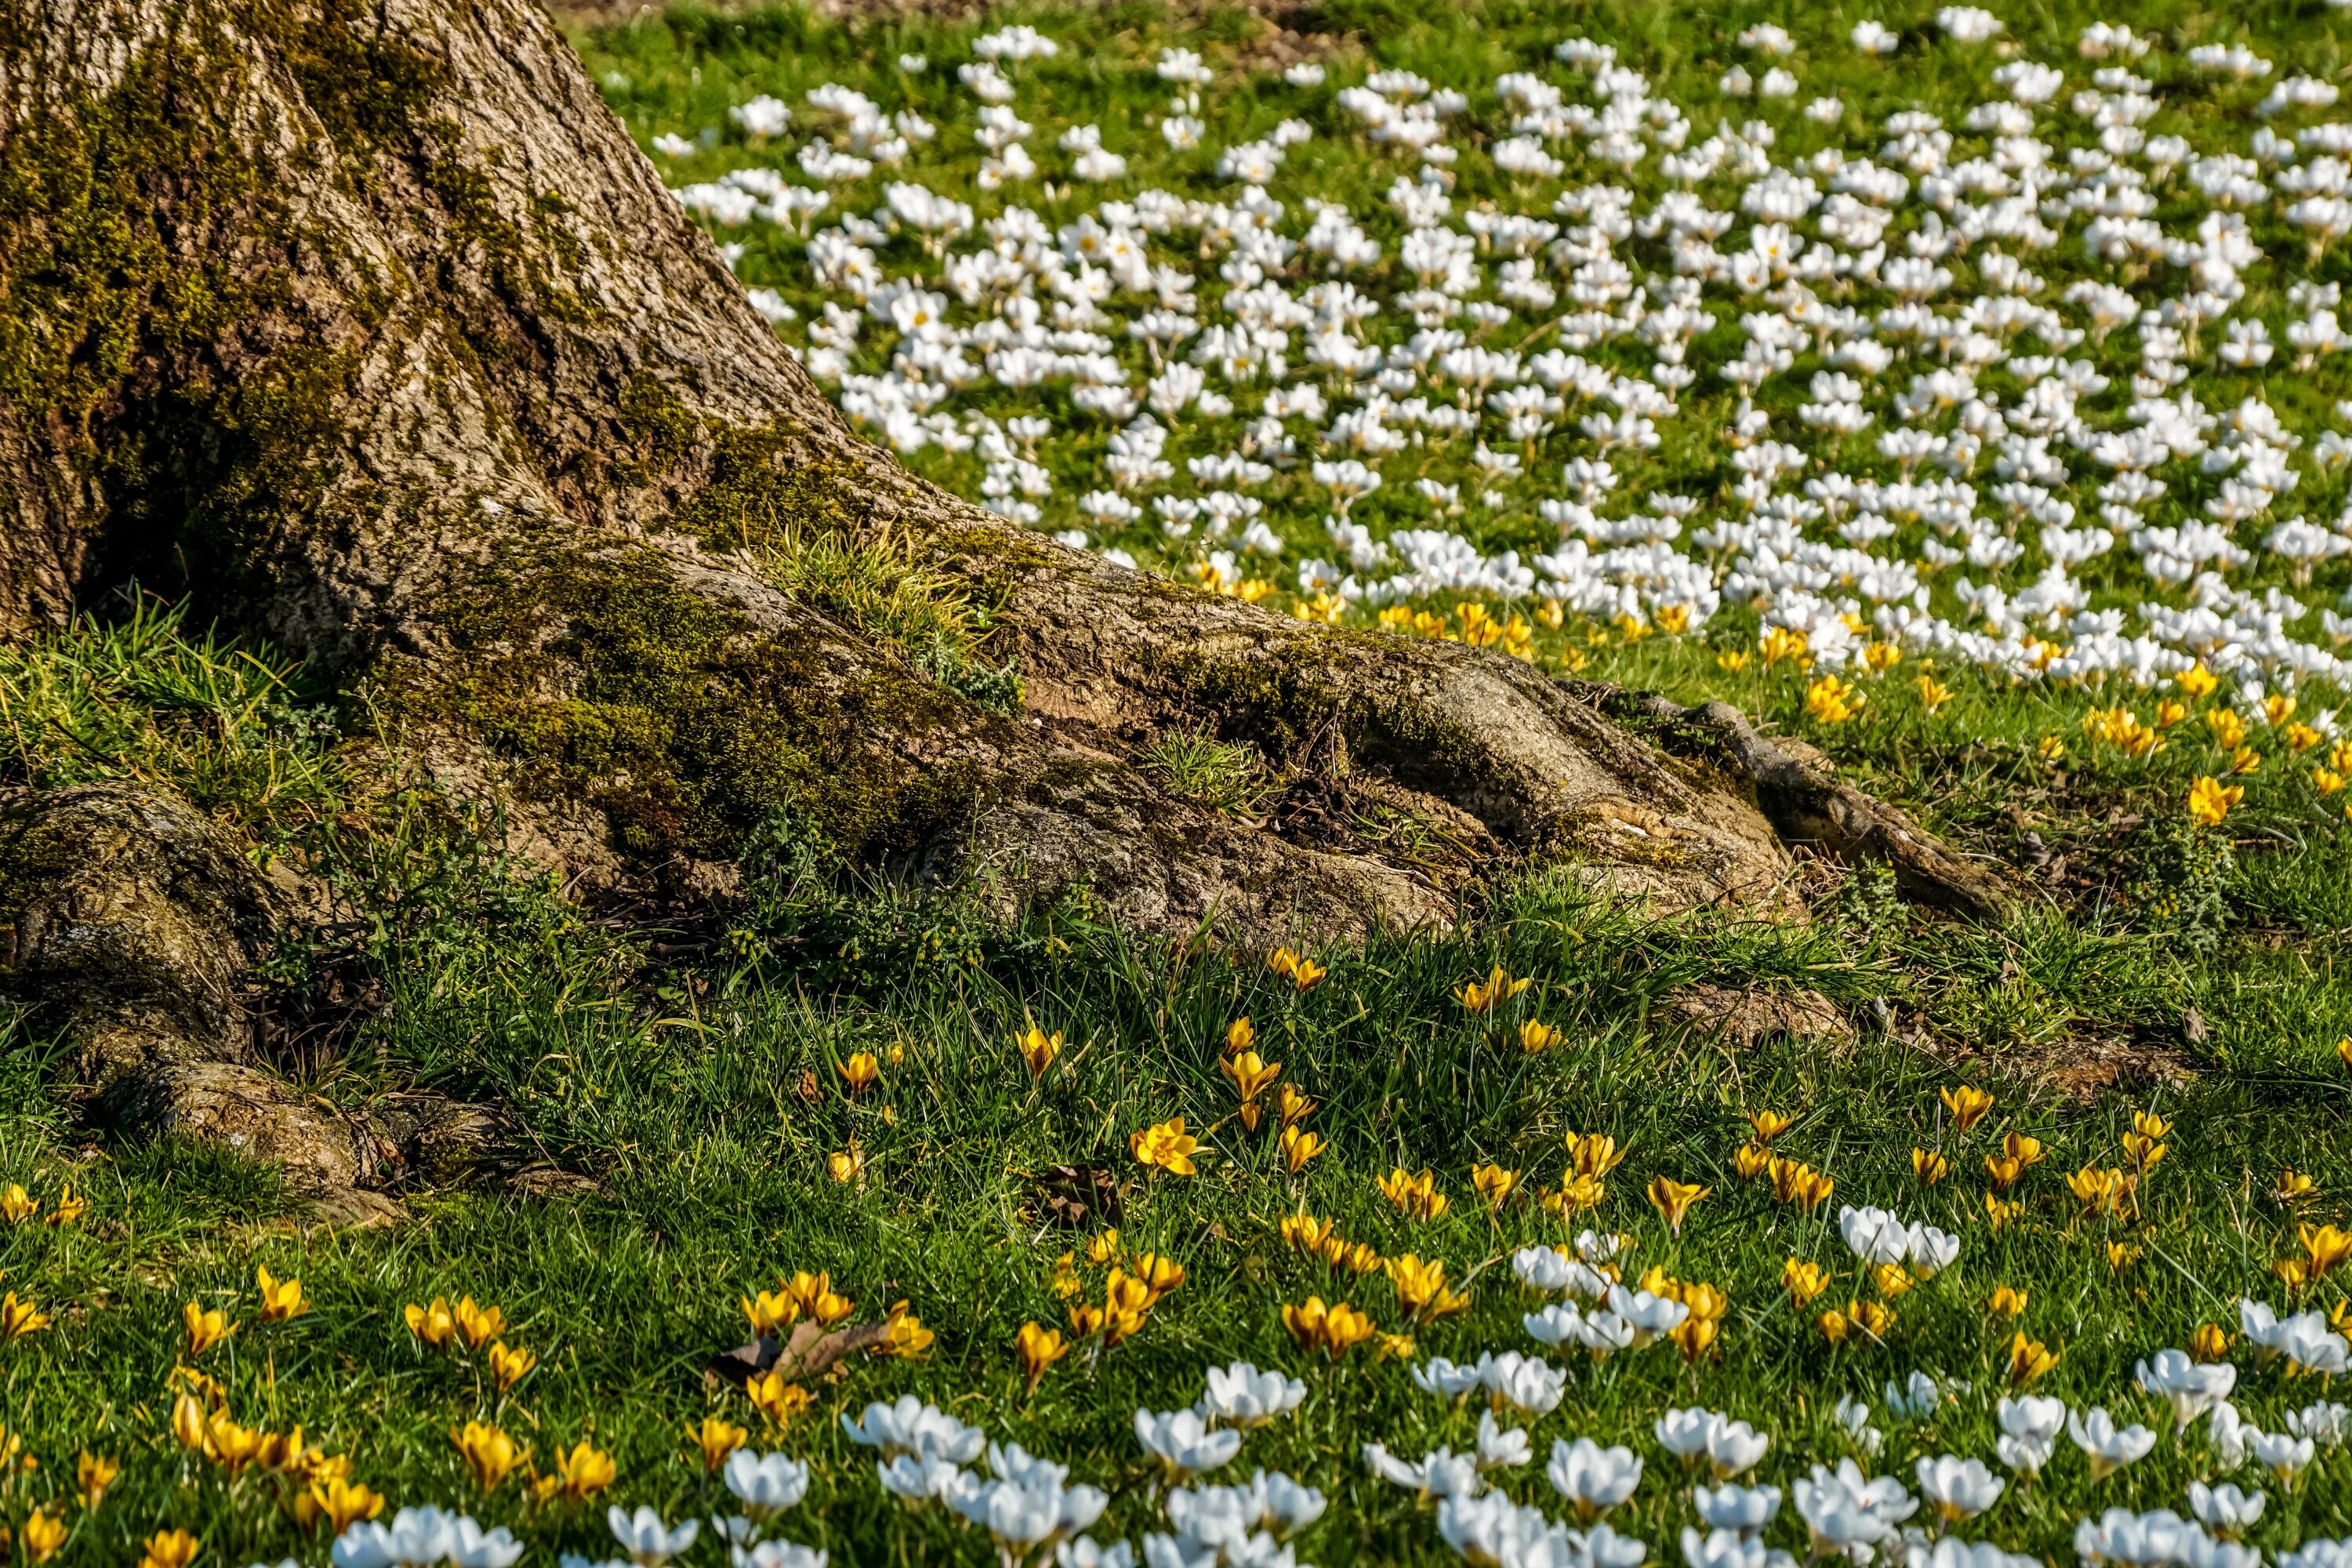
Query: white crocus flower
{"x": 1182, "y": 1443}
{"x": 2107, "y": 1445}
{"x": 1594, "y": 1478}
{"x": 2191, "y": 1388}
{"x": 1501, "y": 1448}
{"x": 913, "y": 1426}
{"x": 1959, "y": 1489}
{"x": 1875, "y": 1235}
{"x": 766, "y": 1484}
{"x": 1245, "y": 1396}
{"x": 1848, "y": 1512}
{"x": 2226, "y": 1509}
{"x": 2130, "y": 1539}
{"x": 1745, "y": 1508}
{"x": 648, "y": 1541}
{"x": 1441, "y": 1473}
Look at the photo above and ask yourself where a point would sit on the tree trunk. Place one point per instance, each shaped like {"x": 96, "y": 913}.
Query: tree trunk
{"x": 367, "y": 325}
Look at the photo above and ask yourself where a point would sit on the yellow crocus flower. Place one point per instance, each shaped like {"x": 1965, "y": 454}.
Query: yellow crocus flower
{"x": 2099, "y": 1190}
{"x": 1308, "y": 1233}
{"x": 1249, "y": 1074}
{"x": 1037, "y": 1049}
{"x": 770, "y": 1312}
{"x": 93, "y": 1474}
{"x": 1420, "y": 1290}
{"x": 343, "y": 1503}
{"x": 716, "y": 1437}
{"x": 1039, "y": 1348}
{"x": 479, "y": 1325}
{"x": 19, "y": 1318}
{"x": 908, "y": 1339}
{"x": 2324, "y": 1247}
{"x": 1828, "y": 701}
{"x": 582, "y": 1471}
{"x": 1166, "y": 1147}
{"x": 2210, "y": 800}
{"x": 1331, "y": 1331}
{"x": 1594, "y": 1153}
{"x": 1803, "y": 1280}
{"x": 1780, "y": 643}
{"x": 1581, "y": 1194}
{"x": 1416, "y": 1197}
{"x": 170, "y": 1549}
{"x": 433, "y": 1325}
{"x": 230, "y": 1445}
{"x": 1303, "y": 972}
{"x": 1484, "y": 998}
{"x": 489, "y": 1454}
{"x": 1672, "y": 1199}
{"x": 188, "y": 1427}
{"x": 777, "y": 1398}
{"x": 1157, "y": 1275}
{"x": 2029, "y": 1359}
{"x": 1493, "y": 1182}
{"x": 1694, "y": 1336}
{"x": 1967, "y": 1104}
{"x": 281, "y": 1299}
{"x": 205, "y": 1330}
{"x": 42, "y": 1535}
{"x": 509, "y": 1365}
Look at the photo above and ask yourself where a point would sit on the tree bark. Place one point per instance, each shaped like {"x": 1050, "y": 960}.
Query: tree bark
{"x": 365, "y": 324}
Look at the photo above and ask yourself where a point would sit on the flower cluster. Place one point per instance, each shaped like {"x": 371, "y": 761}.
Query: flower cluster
{"x": 1948, "y": 372}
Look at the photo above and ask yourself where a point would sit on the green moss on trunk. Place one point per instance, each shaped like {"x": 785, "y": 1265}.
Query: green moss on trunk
{"x": 604, "y": 679}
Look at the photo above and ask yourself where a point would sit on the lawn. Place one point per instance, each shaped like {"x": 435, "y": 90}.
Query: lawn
{"x": 840, "y": 1099}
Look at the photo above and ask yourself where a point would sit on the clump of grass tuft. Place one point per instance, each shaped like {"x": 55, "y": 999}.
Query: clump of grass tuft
{"x": 1209, "y": 772}
{"x": 877, "y": 584}
{"x": 144, "y": 698}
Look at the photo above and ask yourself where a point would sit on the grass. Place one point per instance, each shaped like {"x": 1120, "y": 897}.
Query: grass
{"x": 708, "y": 1125}
{"x": 1206, "y": 772}
{"x": 706, "y": 1098}
{"x": 705, "y": 1103}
